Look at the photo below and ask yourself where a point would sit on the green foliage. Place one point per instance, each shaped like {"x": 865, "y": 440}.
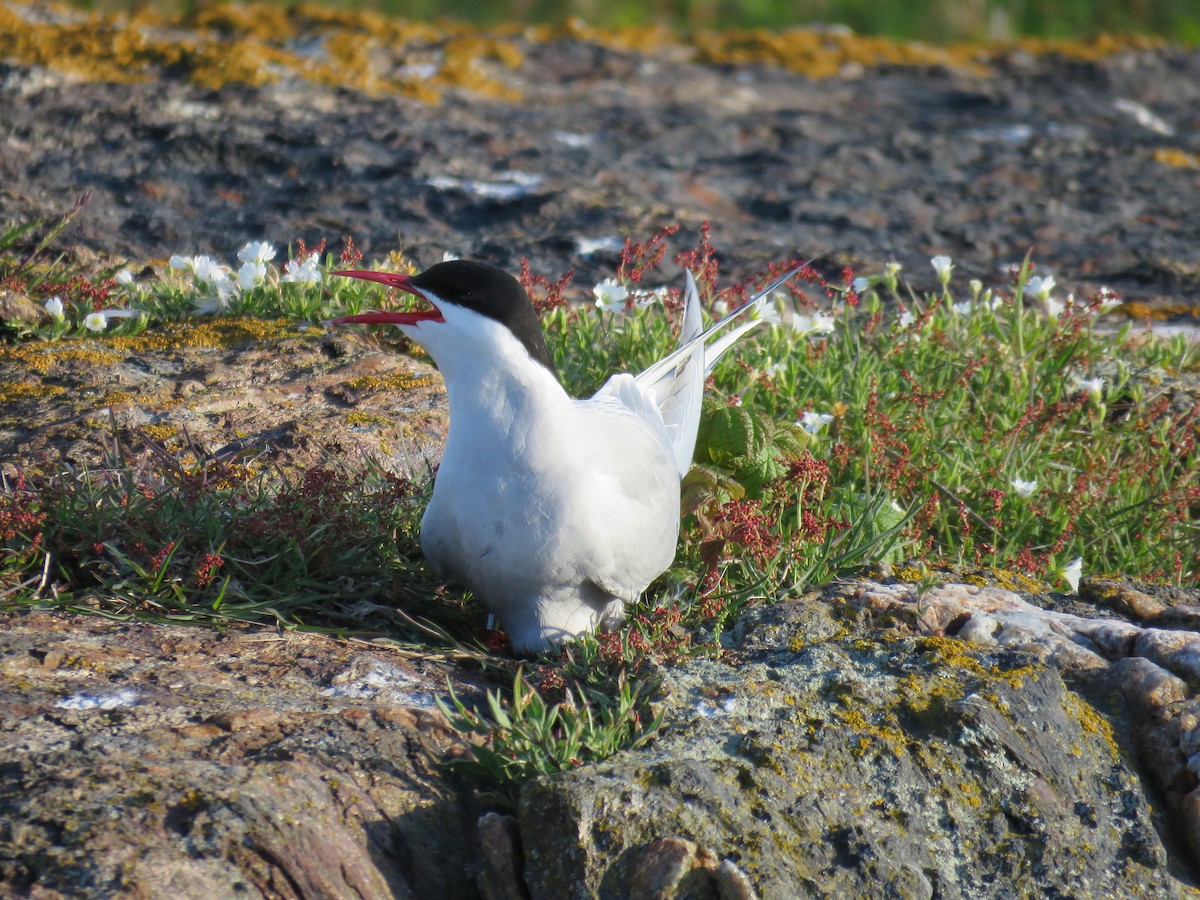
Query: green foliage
{"x": 918, "y": 19}
{"x": 526, "y": 736}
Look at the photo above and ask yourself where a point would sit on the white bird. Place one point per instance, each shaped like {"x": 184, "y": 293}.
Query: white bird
{"x": 556, "y": 512}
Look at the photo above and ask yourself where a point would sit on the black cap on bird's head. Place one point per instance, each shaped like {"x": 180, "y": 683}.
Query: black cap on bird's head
{"x": 476, "y": 286}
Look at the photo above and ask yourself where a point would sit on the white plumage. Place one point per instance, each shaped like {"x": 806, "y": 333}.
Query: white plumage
{"x": 556, "y": 512}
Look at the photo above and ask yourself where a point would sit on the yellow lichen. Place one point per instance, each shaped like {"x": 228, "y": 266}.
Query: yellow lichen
{"x": 872, "y": 734}
{"x": 23, "y": 390}
{"x": 221, "y": 43}
{"x": 365, "y": 419}
{"x": 223, "y": 333}
{"x": 1176, "y": 158}
{"x": 397, "y": 381}
{"x": 957, "y": 655}
{"x": 1090, "y": 721}
{"x": 42, "y": 358}
{"x": 160, "y": 432}
{"x": 1159, "y": 312}
{"x": 214, "y": 44}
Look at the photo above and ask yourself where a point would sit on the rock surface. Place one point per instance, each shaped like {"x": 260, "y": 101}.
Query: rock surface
{"x": 846, "y": 744}
{"x": 1091, "y": 164}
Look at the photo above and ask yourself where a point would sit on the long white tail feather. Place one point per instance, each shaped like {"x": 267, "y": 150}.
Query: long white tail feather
{"x": 681, "y": 390}
{"x": 714, "y": 352}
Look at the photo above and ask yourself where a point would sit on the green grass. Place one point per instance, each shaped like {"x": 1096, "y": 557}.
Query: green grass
{"x": 930, "y": 20}
{"x": 923, "y": 413}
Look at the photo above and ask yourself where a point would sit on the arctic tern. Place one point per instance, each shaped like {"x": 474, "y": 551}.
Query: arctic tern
{"x": 556, "y": 512}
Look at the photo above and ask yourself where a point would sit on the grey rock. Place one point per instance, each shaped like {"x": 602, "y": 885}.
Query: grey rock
{"x": 860, "y": 767}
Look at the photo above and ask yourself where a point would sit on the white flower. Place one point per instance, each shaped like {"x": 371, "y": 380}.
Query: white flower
{"x": 1071, "y": 573}
{"x": 304, "y": 271}
{"x": 180, "y": 262}
{"x": 1094, "y": 386}
{"x": 906, "y": 318}
{"x": 813, "y": 422}
{"x": 642, "y": 299}
{"x": 962, "y": 309}
{"x": 447, "y": 256}
{"x": 610, "y": 295}
{"x": 1040, "y": 287}
{"x": 54, "y": 306}
{"x": 942, "y": 265}
{"x": 125, "y": 277}
{"x": 817, "y": 323}
{"x": 766, "y": 310}
{"x": 251, "y": 274}
{"x": 1108, "y": 300}
{"x": 98, "y": 321}
{"x": 257, "y": 252}
{"x": 892, "y": 269}
{"x": 1054, "y": 308}
{"x": 861, "y": 284}
{"x": 1024, "y": 488}
{"x": 206, "y": 270}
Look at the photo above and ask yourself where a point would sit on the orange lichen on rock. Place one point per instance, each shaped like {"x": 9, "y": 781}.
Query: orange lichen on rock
{"x": 1176, "y": 158}
{"x": 221, "y": 43}
{"x": 1135, "y": 309}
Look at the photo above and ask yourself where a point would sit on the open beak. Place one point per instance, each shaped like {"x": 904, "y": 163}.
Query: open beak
{"x": 391, "y": 279}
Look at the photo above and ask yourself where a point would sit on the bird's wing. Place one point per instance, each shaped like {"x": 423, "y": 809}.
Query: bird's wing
{"x": 629, "y": 501}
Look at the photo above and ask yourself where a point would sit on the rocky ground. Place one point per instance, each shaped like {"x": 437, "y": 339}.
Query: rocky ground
{"x": 1091, "y": 165}
{"x": 867, "y": 739}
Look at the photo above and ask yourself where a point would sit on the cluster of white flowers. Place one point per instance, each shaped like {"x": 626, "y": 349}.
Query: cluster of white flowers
{"x": 209, "y": 276}
{"x": 817, "y": 323}
{"x": 254, "y": 257}
{"x": 221, "y": 285}
{"x": 302, "y": 271}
